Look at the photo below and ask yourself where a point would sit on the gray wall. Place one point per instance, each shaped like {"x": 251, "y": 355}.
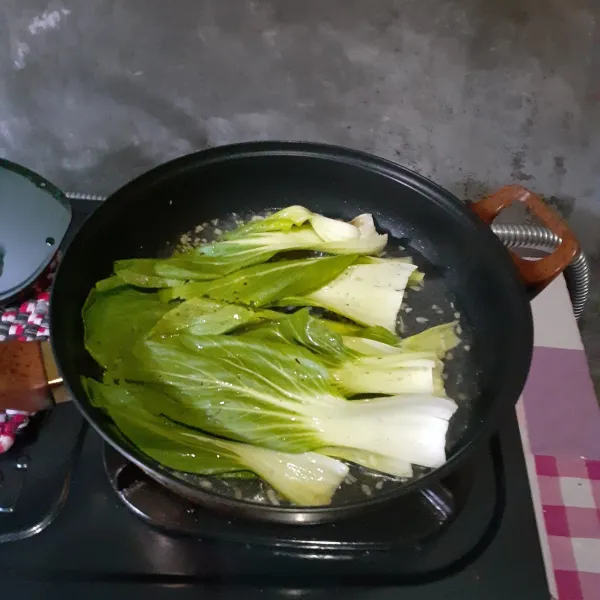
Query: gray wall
{"x": 474, "y": 93}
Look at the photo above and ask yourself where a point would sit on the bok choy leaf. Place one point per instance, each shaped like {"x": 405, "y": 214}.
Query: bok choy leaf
{"x": 293, "y": 228}
{"x": 263, "y": 285}
{"x": 308, "y": 331}
{"x": 439, "y": 339}
{"x": 176, "y": 270}
{"x": 114, "y": 320}
{"x": 140, "y": 272}
{"x": 202, "y": 316}
{"x": 308, "y": 479}
{"x": 281, "y": 397}
{"x": 376, "y": 333}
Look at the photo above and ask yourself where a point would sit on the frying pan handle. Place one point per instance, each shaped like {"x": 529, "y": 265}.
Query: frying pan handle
{"x": 536, "y": 274}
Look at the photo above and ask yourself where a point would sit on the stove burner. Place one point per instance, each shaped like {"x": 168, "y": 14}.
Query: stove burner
{"x": 408, "y": 521}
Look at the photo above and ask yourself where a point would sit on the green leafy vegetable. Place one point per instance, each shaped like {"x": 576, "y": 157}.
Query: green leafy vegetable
{"x": 370, "y": 294}
{"x": 256, "y": 243}
{"x": 308, "y": 479}
{"x": 262, "y": 285}
{"x": 439, "y": 339}
{"x": 202, "y": 316}
{"x": 283, "y": 220}
{"x": 416, "y": 277}
{"x": 347, "y": 329}
{"x": 110, "y": 283}
{"x": 398, "y": 372}
{"x": 271, "y": 384}
{"x": 368, "y": 346}
{"x": 306, "y": 330}
{"x": 297, "y": 228}
{"x": 280, "y": 396}
{"x": 140, "y": 272}
{"x": 114, "y": 320}
{"x": 190, "y": 266}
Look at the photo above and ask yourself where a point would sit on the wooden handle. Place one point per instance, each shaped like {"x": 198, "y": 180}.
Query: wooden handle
{"x": 23, "y": 379}
{"x": 536, "y": 274}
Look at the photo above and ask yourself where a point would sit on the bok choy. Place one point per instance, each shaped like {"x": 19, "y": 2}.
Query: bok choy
{"x": 177, "y": 270}
{"x": 281, "y": 397}
{"x": 370, "y": 460}
{"x": 114, "y": 320}
{"x": 399, "y": 373}
{"x": 202, "y": 316}
{"x": 293, "y": 228}
{"x": 370, "y": 294}
{"x": 219, "y": 361}
{"x": 396, "y": 371}
{"x": 263, "y": 285}
{"x": 297, "y": 228}
{"x": 308, "y": 479}
{"x": 439, "y": 339}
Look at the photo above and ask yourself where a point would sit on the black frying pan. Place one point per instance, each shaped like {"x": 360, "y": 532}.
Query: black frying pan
{"x": 468, "y": 271}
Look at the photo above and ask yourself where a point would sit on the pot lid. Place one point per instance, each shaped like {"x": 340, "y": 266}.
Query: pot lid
{"x": 34, "y": 218}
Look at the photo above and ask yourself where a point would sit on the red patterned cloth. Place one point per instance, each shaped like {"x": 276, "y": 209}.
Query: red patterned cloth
{"x": 11, "y": 422}
{"x": 26, "y": 322}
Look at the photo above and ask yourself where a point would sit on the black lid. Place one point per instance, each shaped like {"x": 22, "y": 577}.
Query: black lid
{"x": 34, "y": 218}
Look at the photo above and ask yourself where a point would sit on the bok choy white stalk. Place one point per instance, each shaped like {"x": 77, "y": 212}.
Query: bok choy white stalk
{"x": 309, "y": 479}
{"x": 370, "y": 294}
{"x": 370, "y": 460}
{"x": 399, "y": 373}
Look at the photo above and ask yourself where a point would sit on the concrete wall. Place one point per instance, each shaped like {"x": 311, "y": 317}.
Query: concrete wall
{"x": 474, "y": 93}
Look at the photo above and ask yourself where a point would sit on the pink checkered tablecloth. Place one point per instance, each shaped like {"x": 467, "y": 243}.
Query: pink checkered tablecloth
{"x": 559, "y": 420}
{"x": 570, "y": 499}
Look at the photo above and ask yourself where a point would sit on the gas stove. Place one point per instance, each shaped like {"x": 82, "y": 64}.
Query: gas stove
{"x": 76, "y": 517}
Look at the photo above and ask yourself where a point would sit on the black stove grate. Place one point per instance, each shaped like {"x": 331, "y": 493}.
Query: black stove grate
{"x": 416, "y": 528}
